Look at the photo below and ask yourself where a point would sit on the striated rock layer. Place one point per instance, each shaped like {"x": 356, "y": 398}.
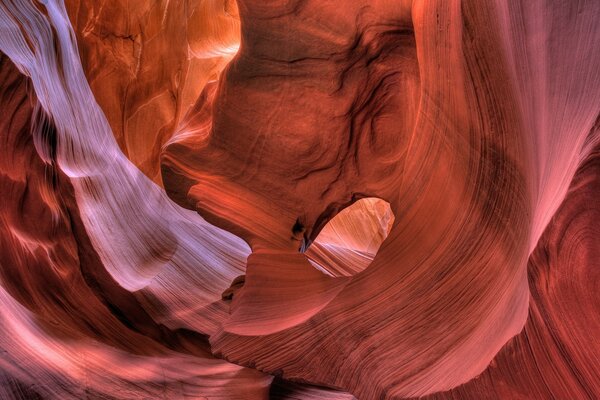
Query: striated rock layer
{"x": 293, "y": 200}
{"x": 556, "y": 354}
{"x": 68, "y": 329}
{"x": 464, "y": 136}
{"x": 146, "y": 62}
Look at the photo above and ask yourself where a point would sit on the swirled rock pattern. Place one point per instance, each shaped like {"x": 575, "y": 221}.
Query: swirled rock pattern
{"x": 297, "y": 200}
{"x": 121, "y": 44}
{"x": 556, "y": 354}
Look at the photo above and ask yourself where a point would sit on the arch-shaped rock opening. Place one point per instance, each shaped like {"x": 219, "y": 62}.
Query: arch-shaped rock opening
{"x": 348, "y": 243}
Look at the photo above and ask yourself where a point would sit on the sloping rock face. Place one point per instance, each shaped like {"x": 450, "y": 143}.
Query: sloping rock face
{"x": 68, "y": 329}
{"x": 147, "y": 62}
{"x": 293, "y": 200}
{"x": 556, "y": 354}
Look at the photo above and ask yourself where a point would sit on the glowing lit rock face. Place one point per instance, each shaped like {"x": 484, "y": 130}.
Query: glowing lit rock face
{"x": 383, "y": 200}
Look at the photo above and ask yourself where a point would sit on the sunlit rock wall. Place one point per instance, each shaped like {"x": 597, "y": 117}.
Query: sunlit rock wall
{"x": 299, "y": 200}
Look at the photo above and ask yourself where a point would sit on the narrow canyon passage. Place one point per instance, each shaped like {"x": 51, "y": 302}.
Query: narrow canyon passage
{"x": 299, "y": 200}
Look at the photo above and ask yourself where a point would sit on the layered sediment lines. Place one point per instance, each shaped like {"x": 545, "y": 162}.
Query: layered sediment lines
{"x": 556, "y": 354}
{"x": 291, "y": 200}
{"x": 68, "y": 330}
{"x": 147, "y": 62}
{"x": 454, "y": 123}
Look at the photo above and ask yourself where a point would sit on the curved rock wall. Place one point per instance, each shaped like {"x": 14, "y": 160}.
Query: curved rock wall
{"x": 184, "y": 199}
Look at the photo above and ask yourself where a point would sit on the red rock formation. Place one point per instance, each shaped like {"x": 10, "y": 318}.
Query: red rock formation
{"x": 556, "y": 354}
{"x": 469, "y": 119}
{"x": 350, "y": 241}
{"x": 147, "y": 61}
{"x": 68, "y": 330}
{"x": 469, "y": 187}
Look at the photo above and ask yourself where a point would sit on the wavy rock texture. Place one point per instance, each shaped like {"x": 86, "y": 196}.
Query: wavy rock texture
{"x": 379, "y": 201}
{"x": 120, "y": 45}
{"x": 68, "y": 329}
{"x": 556, "y": 354}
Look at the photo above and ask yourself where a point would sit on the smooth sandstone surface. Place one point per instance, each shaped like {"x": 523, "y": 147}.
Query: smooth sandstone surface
{"x": 146, "y": 62}
{"x": 298, "y": 200}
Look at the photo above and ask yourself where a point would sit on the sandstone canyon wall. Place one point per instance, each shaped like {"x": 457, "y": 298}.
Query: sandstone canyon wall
{"x": 299, "y": 199}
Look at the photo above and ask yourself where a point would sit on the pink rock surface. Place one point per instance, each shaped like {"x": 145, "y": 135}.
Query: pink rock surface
{"x": 556, "y": 354}
{"x": 378, "y": 200}
{"x": 67, "y": 329}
